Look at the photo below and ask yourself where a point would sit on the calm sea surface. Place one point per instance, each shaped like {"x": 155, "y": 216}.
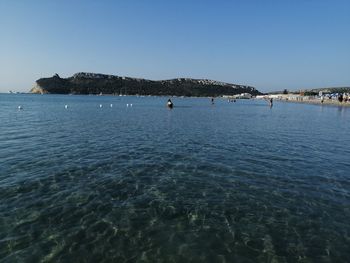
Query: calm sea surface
{"x": 230, "y": 182}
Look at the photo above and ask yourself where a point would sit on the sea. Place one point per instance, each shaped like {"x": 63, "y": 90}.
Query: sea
{"x": 125, "y": 179}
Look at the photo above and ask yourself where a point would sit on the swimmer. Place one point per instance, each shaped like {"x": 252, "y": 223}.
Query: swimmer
{"x": 170, "y": 104}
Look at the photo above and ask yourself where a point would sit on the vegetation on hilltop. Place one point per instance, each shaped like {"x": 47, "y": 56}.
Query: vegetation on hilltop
{"x": 310, "y": 92}
{"x": 91, "y": 83}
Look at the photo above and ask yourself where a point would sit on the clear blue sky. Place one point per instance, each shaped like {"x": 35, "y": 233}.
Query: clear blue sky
{"x": 272, "y": 45}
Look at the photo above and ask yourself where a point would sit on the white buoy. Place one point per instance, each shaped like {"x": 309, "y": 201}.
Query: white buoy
{"x": 111, "y": 105}
{"x": 66, "y": 106}
{"x": 130, "y": 105}
{"x": 20, "y": 107}
{"x": 127, "y": 105}
{"x": 100, "y": 105}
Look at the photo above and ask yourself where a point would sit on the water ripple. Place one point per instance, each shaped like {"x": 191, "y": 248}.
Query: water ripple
{"x": 226, "y": 183}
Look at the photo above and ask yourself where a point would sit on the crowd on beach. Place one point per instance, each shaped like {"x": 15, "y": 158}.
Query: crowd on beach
{"x": 335, "y": 98}
{"x": 340, "y": 99}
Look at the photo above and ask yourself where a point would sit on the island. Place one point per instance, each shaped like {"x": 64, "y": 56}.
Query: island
{"x": 92, "y": 83}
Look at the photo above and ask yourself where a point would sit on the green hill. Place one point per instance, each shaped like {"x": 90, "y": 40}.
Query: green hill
{"x": 91, "y": 83}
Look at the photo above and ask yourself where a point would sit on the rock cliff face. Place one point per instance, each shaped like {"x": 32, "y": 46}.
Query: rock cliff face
{"x": 91, "y": 83}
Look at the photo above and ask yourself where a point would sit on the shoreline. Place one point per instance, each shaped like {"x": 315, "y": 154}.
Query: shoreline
{"x": 327, "y": 102}
{"x": 302, "y": 100}
{"x": 315, "y": 100}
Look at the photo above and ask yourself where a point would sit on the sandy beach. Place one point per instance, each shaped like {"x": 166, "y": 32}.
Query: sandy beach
{"x": 310, "y": 100}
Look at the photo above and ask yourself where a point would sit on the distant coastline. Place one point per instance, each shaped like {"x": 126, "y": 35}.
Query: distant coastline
{"x": 99, "y": 84}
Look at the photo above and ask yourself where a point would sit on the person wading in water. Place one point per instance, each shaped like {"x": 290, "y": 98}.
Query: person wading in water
{"x": 170, "y": 104}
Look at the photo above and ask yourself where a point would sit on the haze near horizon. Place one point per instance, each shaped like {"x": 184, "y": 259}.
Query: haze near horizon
{"x": 271, "y": 45}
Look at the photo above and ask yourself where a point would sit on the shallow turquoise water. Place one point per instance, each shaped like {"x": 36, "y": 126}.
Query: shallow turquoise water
{"x": 232, "y": 182}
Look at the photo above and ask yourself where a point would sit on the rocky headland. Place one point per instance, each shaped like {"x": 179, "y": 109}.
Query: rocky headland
{"x": 92, "y": 83}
